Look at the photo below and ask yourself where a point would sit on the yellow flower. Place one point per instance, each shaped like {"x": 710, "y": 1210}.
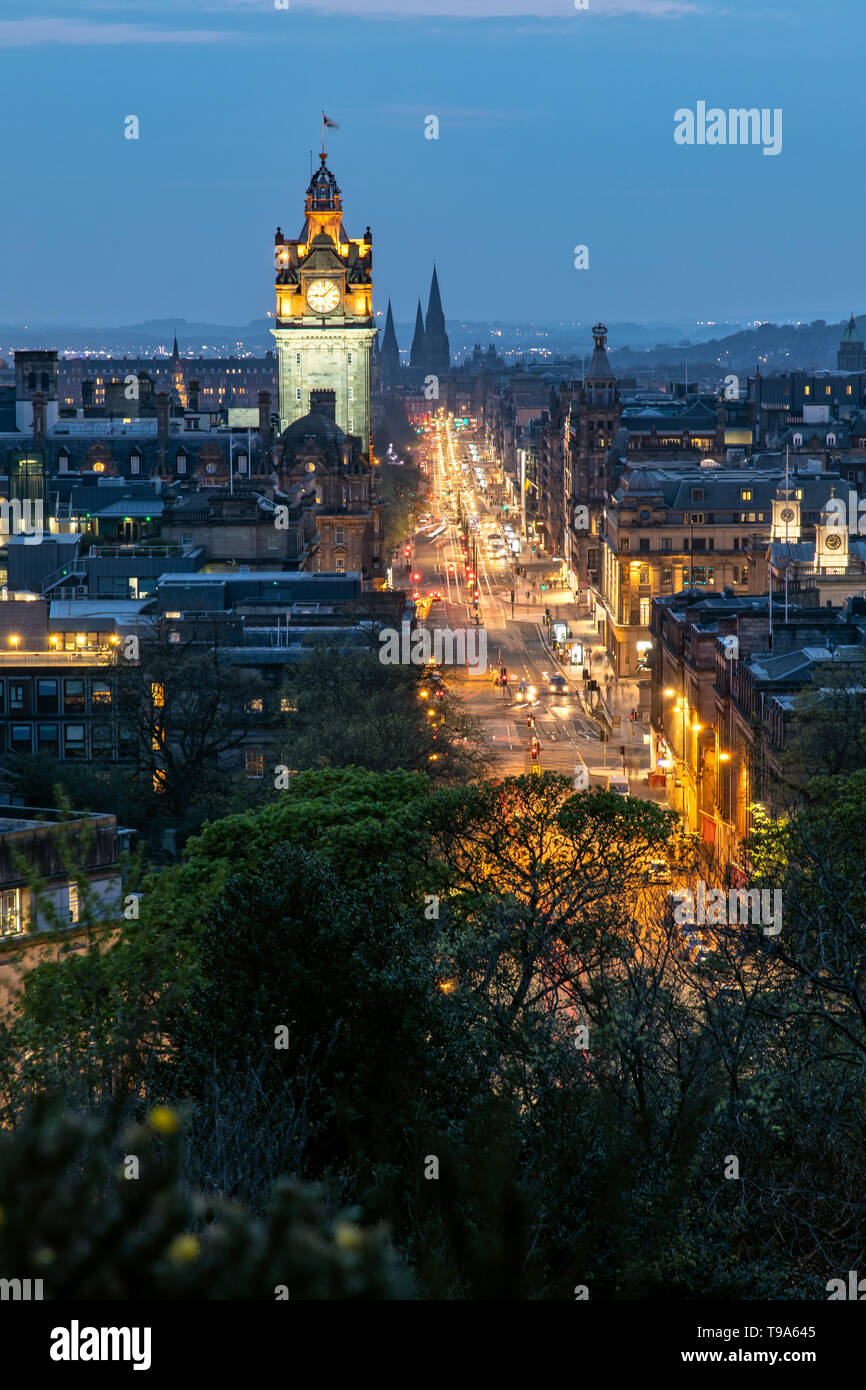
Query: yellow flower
{"x": 185, "y": 1248}
{"x": 164, "y": 1120}
{"x": 347, "y": 1236}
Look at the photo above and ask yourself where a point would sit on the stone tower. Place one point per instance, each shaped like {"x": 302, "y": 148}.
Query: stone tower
{"x": 324, "y": 316}
{"x": 851, "y": 356}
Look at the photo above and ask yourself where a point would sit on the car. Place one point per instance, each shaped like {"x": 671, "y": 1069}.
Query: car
{"x": 615, "y": 782}
{"x": 557, "y": 684}
{"x": 658, "y": 871}
{"x": 525, "y": 691}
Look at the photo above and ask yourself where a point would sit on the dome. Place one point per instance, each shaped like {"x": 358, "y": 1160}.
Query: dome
{"x": 312, "y": 426}
{"x": 852, "y": 333}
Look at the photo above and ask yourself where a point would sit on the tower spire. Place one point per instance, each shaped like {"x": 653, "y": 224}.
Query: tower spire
{"x": 417, "y": 356}
{"x": 390, "y": 353}
{"x": 438, "y": 358}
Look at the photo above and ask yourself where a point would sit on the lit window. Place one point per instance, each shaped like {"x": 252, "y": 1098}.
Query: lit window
{"x": 74, "y": 905}
{"x": 746, "y": 494}
{"x": 172, "y": 615}
{"x": 254, "y": 761}
{"x": 287, "y": 705}
{"x": 10, "y": 912}
{"x": 157, "y": 693}
{"x": 254, "y": 707}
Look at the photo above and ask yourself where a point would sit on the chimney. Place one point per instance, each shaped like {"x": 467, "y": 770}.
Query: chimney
{"x": 193, "y": 392}
{"x": 324, "y": 403}
{"x": 163, "y": 405}
{"x": 40, "y": 402}
{"x": 265, "y": 418}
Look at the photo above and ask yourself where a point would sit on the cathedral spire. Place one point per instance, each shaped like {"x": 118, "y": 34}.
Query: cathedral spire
{"x": 390, "y": 354}
{"x": 435, "y": 316}
{"x": 417, "y": 356}
{"x": 438, "y": 357}
{"x": 175, "y": 354}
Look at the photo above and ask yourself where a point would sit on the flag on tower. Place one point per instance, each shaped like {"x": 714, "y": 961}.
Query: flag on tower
{"x": 332, "y": 125}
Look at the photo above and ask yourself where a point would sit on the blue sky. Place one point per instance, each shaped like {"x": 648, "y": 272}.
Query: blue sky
{"x": 555, "y": 130}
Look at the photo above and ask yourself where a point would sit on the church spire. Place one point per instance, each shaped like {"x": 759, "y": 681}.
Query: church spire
{"x": 390, "y": 354}
{"x": 435, "y": 316}
{"x": 417, "y": 355}
{"x": 438, "y": 347}
{"x": 175, "y": 354}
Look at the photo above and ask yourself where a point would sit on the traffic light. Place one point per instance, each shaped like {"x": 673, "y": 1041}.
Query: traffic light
{"x": 530, "y": 720}
{"x": 534, "y": 749}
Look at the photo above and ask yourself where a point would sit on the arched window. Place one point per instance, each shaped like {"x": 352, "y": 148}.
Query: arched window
{"x": 798, "y": 441}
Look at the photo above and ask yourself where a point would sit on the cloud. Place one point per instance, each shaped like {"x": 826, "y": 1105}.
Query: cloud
{"x": 30, "y": 33}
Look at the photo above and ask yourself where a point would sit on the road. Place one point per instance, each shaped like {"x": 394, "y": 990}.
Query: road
{"x": 569, "y": 736}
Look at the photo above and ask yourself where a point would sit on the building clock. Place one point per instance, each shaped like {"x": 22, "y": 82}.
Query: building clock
{"x": 323, "y": 296}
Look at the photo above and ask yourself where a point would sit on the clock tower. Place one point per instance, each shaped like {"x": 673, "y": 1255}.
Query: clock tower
{"x": 324, "y": 315}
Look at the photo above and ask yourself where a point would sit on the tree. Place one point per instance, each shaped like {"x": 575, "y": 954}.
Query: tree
{"x": 184, "y": 707}
{"x": 357, "y": 711}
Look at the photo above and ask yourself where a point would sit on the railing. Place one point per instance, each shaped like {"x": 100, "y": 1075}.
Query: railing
{"x": 67, "y": 571}
{"x": 132, "y": 551}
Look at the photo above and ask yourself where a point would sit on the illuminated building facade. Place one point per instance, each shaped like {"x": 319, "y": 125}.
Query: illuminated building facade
{"x": 324, "y": 316}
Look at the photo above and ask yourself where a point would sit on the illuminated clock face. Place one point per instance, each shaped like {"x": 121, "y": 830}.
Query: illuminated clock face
{"x": 786, "y": 514}
{"x": 323, "y": 296}
{"x": 833, "y": 542}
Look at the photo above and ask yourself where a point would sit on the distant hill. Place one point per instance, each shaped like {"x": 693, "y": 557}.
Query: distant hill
{"x": 772, "y": 347}
{"x": 631, "y": 346}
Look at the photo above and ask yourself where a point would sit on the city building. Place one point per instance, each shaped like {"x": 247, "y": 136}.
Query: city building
{"x": 724, "y": 681}
{"x": 324, "y": 318}
{"x": 709, "y": 528}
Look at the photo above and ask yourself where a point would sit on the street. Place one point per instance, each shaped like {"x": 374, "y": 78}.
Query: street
{"x": 566, "y": 725}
